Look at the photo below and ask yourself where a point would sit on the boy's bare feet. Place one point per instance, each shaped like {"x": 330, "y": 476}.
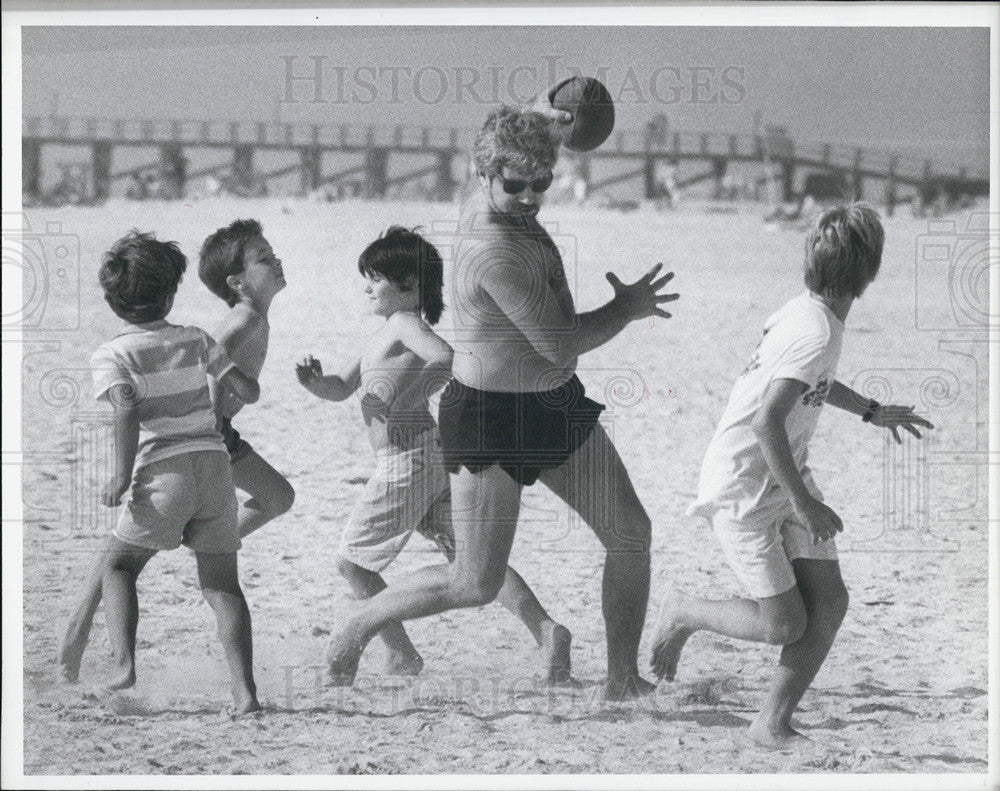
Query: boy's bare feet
{"x": 123, "y": 679}
{"x": 670, "y": 637}
{"x": 556, "y": 640}
{"x": 68, "y": 661}
{"x": 782, "y": 737}
{"x": 343, "y": 657}
{"x": 399, "y": 663}
{"x": 631, "y": 687}
{"x": 67, "y": 671}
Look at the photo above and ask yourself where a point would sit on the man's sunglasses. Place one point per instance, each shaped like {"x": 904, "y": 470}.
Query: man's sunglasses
{"x": 517, "y": 186}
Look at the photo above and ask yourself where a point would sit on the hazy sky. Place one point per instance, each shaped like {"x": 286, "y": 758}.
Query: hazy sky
{"x": 912, "y": 87}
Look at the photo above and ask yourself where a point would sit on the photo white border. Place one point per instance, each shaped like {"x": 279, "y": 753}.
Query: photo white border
{"x": 729, "y": 15}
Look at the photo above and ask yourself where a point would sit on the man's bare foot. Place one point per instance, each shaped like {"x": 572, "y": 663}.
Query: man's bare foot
{"x": 244, "y": 702}
{"x": 399, "y": 663}
{"x": 343, "y": 657}
{"x": 556, "y": 640}
{"x": 627, "y": 688}
{"x": 670, "y": 636}
{"x": 782, "y": 737}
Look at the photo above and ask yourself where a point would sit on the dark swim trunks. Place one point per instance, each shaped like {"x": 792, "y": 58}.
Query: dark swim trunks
{"x": 235, "y": 444}
{"x": 524, "y": 433}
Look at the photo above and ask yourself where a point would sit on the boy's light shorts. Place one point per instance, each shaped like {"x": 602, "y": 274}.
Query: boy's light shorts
{"x": 407, "y": 491}
{"x": 761, "y": 549}
{"x": 184, "y": 499}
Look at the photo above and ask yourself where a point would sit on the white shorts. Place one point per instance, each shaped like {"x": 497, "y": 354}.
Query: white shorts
{"x": 761, "y": 550}
{"x": 183, "y": 499}
{"x": 407, "y": 491}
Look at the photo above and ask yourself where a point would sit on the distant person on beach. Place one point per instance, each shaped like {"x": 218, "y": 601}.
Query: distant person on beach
{"x": 757, "y": 491}
{"x": 402, "y": 365}
{"x": 169, "y": 456}
{"x": 239, "y": 266}
{"x": 516, "y": 413}
{"x": 667, "y": 191}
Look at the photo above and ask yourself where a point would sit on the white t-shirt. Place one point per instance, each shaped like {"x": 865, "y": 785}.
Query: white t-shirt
{"x": 166, "y": 368}
{"x": 801, "y": 341}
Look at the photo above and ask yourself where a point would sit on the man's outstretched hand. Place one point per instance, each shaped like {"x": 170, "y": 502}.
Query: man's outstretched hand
{"x": 642, "y": 298}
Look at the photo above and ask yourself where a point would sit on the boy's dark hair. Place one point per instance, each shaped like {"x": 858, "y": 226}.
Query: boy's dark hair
{"x": 399, "y": 254}
{"x": 223, "y": 255}
{"x": 140, "y": 276}
{"x": 844, "y": 251}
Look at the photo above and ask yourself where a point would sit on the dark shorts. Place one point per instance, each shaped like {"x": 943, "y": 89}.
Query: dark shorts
{"x": 235, "y": 444}
{"x": 524, "y": 433}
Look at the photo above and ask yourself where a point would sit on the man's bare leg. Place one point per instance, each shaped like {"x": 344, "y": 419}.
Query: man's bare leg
{"x": 553, "y": 639}
{"x": 485, "y": 508}
{"x": 825, "y": 599}
{"x": 612, "y": 509}
{"x": 404, "y": 659}
{"x": 270, "y": 494}
{"x": 78, "y": 630}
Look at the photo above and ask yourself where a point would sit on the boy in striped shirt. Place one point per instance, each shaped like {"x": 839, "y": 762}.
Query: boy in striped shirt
{"x": 169, "y": 455}
{"x": 237, "y": 264}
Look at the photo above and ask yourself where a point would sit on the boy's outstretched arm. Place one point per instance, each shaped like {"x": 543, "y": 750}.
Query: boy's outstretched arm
{"x": 331, "y": 387}
{"x": 123, "y": 399}
{"x": 890, "y": 416}
{"x": 769, "y": 427}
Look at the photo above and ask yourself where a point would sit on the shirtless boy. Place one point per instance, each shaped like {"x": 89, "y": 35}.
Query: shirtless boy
{"x": 402, "y": 364}
{"x": 239, "y": 266}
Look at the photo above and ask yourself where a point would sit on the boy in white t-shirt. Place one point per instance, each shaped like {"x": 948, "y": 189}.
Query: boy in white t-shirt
{"x": 756, "y": 488}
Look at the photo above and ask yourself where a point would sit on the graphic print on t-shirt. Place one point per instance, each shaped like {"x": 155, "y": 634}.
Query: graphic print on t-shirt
{"x": 817, "y": 395}
{"x": 754, "y": 363}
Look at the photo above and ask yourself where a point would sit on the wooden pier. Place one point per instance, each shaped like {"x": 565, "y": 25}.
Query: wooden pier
{"x": 638, "y": 153}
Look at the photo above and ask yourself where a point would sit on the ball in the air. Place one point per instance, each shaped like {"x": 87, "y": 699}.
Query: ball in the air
{"x": 592, "y": 108}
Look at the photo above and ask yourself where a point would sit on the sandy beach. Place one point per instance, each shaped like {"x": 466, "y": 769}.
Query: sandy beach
{"x": 904, "y": 688}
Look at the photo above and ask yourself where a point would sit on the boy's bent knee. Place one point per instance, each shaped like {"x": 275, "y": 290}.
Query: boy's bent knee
{"x": 348, "y": 569}
{"x": 474, "y": 594}
{"x": 786, "y": 629}
{"x": 211, "y": 593}
{"x": 784, "y": 633}
{"x": 283, "y": 500}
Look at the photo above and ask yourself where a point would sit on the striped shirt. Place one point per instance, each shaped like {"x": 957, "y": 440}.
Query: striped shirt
{"x": 167, "y": 369}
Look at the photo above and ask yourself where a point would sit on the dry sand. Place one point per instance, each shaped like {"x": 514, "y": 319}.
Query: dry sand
{"x": 904, "y": 689}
